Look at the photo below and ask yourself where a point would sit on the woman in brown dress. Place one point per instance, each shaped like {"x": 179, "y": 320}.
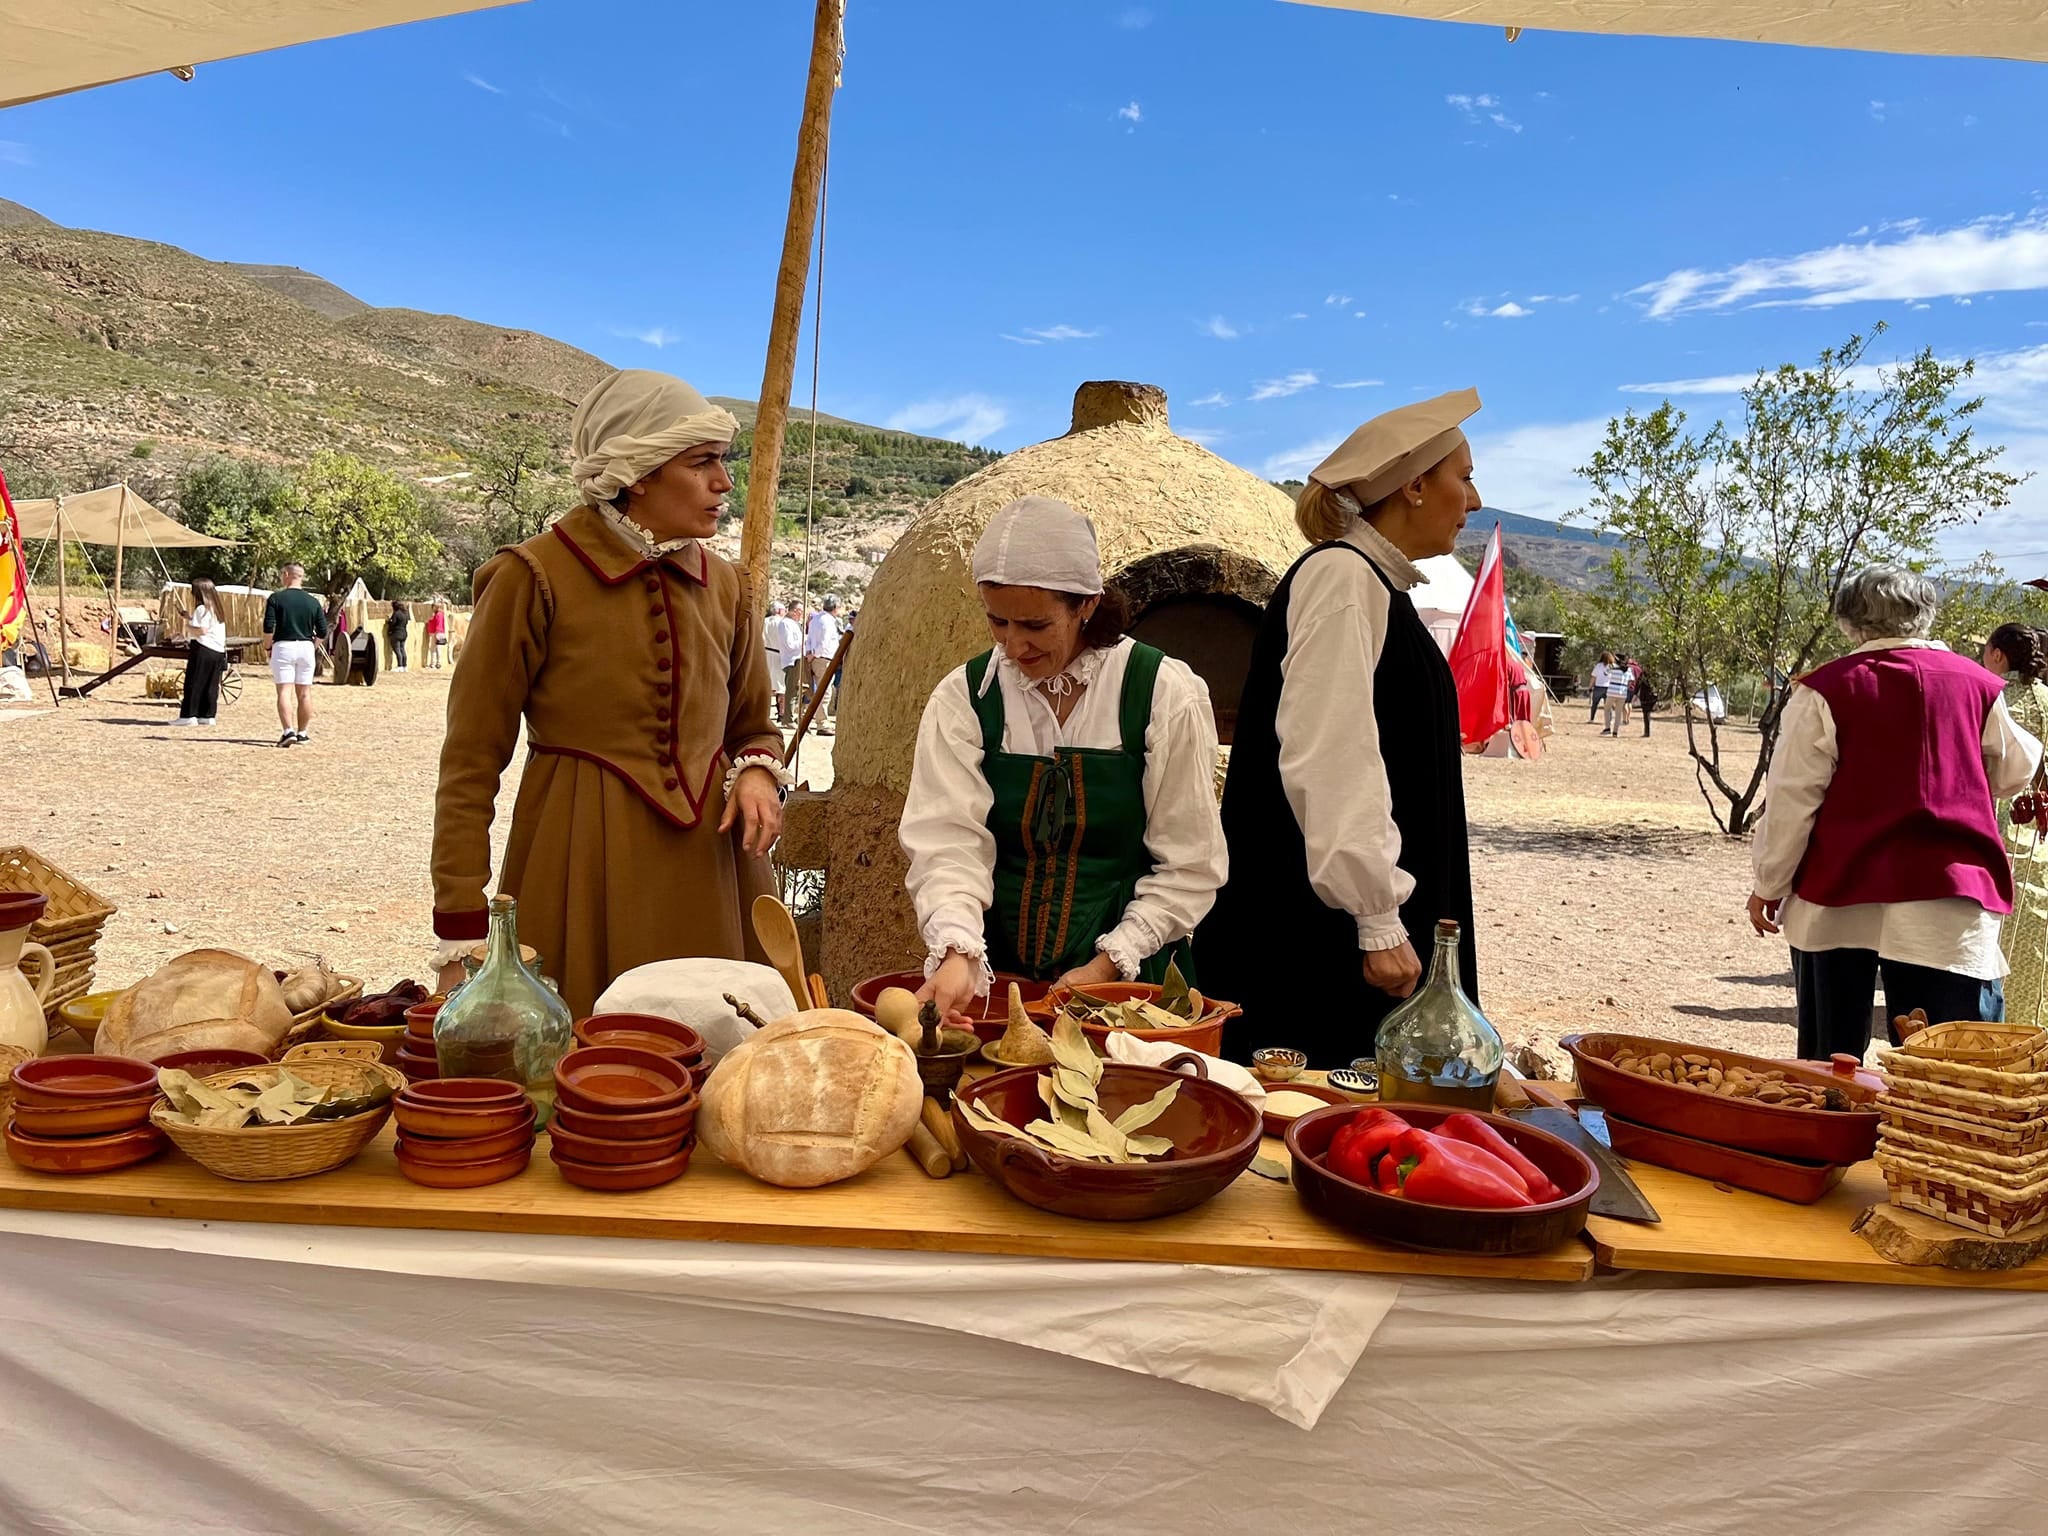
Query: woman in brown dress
{"x": 653, "y": 780}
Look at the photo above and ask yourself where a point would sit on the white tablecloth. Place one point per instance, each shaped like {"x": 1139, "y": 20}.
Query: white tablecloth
{"x": 203, "y": 1378}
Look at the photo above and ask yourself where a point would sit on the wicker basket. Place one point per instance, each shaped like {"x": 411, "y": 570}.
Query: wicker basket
{"x": 1947, "y": 1099}
{"x": 1970, "y": 1043}
{"x": 2025, "y": 1166}
{"x": 351, "y": 989}
{"x": 1960, "y": 1129}
{"x": 256, "y": 1153}
{"x": 70, "y": 925}
{"x": 11, "y": 1056}
{"x": 1978, "y": 1199}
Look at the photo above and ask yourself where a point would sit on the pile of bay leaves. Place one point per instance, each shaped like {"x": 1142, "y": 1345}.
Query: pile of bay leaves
{"x": 1178, "y": 1006}
{"x": 1075, "y": 1124}
{"x": 286, "y": 1101}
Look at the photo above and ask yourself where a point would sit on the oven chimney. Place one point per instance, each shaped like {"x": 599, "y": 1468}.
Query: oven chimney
{"x": 1106, "y": 402}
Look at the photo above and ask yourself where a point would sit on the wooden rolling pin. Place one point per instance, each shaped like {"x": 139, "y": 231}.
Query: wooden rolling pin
{"x": 940, "y": 1124}
{"x": 925, "y": 1151}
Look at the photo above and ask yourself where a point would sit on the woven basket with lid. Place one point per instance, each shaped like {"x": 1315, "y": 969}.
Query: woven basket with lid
{"x": 257, "y": 1153}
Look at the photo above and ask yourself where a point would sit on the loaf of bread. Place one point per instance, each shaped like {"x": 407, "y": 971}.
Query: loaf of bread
{"x": 207, "y": 999}
{"x": 812, "y": 1099}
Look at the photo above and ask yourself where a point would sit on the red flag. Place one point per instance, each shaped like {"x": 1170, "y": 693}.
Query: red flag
{"x": 13, "y": 577}
{"x": 1479, "y": 656}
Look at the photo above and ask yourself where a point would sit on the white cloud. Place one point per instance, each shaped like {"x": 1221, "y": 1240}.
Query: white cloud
{"x": 1877, "y": 111}
{"x": 1359, "y": 384}
{"x": 1136, "y": 19}
{"x": 970, "y": 418}
{"x": 1970, "y": 121}
{"x": 1131, "y": 113}
{"x": 553, "y": 125}
{"x": 1338, "y": 300}
{"x": 653, "y": 336}
{"x": 2000, "y": 254}
{"x": 484, "y": 85}
{"x": 1298, "y": 315}
{"x": 1534, "y": 469}
{"x": 1297, "y": 461}
{"x": 1279, "y": 389}
{"x": 1217, "y": 399}
{"x": 1035, "y": 336}
{"x": 1484, "y": 109}
{"x": 1505, "y": 309}
{"x": 1203, "y": 435}
{"x": 14, "y": 152}
{"x": 1358, "y": 314}
{"x": 1510, "y": 311}
{"x": 1218, "y": 327}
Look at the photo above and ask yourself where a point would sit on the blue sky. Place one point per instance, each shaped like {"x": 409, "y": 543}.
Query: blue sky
{"x": 1290, "y": 217}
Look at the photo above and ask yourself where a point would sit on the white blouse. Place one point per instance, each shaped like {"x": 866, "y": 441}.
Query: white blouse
{"x": 945, "y": 816}
{"x": 1330, "y": 763}
{"x": 207, "y": 630}
{"x": 1950, "y": 933}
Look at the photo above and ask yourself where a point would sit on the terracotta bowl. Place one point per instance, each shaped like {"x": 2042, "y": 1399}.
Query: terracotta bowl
{"x": 1443, "y": 1228}
{"x": 464, "y": 1093}
{"x": 604, "y": 1149}
{"x": 206, "y": 1062}
{"x": 1811, "y": 1135}
{"x": 416, "y": 1119}
{"x": 419, "y": 1018}
{"x": 1215, "y": 1134}
{"x": 418, "y": 1074}
{"x": 1276, "y": 1124}
{"x": 619, "y": 1176}
{"x": 700, "y": 1072}
{"x": 990, "y": 1015}
{"x": 57, "y": 1080}
{"x": 1205, "y": 1036}
{"x": 471, "y": 1175}
{"x": 616, "y": 1079}
{"x": 1782, "y": 1178}
{"x": 83, "y": 1154}
{"x": 465, "y": 1149}
{"x": 642, "y": 1032}
{"x": 18, "y": 909}
{"x": 412, "y": 1054}
{"x": 71, "y": 1120}
{"x": 653, "y": 1125}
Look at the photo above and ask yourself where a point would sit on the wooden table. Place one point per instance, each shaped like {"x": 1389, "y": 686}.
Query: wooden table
{"x": 894, "y": 1205}
{"x": 1710, "y": 1229}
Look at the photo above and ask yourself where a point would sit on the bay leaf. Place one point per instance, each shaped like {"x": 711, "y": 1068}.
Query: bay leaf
{"x": 1173, "y": 992}
{"x": 1070, "y": 1048}
{"x": 1106, "y": 1135}
{"x": 1138, "y": 1116}
{"x": 1148, "y": 1146}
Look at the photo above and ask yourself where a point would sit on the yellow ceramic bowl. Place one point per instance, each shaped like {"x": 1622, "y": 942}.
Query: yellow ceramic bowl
{"x": 85, "y": 1014}
{"x": 388, "y": 1036}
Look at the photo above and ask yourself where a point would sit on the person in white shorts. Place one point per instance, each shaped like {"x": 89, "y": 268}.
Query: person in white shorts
{"x": 296, "y": 624}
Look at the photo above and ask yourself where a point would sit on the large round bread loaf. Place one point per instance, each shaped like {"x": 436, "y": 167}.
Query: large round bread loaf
{"x": 811, "y": 1099}
{"x": 207, "y": 999}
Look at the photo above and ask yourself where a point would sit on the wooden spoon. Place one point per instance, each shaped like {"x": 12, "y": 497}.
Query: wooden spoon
{"x": 776, "y": 931}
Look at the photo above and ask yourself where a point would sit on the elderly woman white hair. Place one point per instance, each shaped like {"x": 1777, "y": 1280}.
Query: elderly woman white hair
{"x": 1061, "y": 822}
{"x": 652, "y": 790}
{"x": 1879, "y": 853}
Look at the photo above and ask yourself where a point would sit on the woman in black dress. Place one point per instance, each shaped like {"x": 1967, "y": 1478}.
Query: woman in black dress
{"x": 1345, "y": 805}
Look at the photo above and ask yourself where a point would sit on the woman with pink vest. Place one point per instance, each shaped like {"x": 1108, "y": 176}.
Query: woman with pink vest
{"x": 1879, "y": 851}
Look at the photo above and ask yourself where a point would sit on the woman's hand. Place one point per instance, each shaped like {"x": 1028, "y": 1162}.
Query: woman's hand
{"x": 1393, "y": 971}
{"x": 1763, "y": 915}
{"x": 755, "y": 801}
{"x": 952, "y": 986}
{"x": 1094, "y": 973}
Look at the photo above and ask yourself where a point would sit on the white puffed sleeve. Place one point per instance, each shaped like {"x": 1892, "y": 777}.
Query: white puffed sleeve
{"x": 944, "y": 830}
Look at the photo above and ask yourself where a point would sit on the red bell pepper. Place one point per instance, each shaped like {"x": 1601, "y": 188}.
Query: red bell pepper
{"x": 1450, "y": 1172}
{"x": 1359, "y": 1142}
{"x": 1392, "y": 1170}
{"x": 1476, "y": 1132}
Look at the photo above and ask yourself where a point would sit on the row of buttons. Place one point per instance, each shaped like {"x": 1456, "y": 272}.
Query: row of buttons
{"x": 664, "y": 752}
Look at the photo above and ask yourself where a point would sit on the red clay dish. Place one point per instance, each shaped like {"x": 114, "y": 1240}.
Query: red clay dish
{"x": 620, "y": 1176}
{"x": 655, "y": 1125}
{"x": 641, "y": 1032}
{"x": 206, "y": 1062}
{"x": 465, "y": 1149}
{"x": 463, "y": 1093}
{"x": 70, "y": 1120}
{"x": 1206, "y": 1037}
{"x": 415, "y": 1119}
{"x": 1443, "y": 1228}
{"x": 57, "y": 1080}
{"x": 18, "y": 909}
{"x": 471, "y": 1175}
{"x": 1782, "y": 1178}
{"x": 419, "y": 1018}
{"x": 599, "y": 1149}
{"x": 1276, "y": 1125}
{"x": 83, "y": 1154}
{"x": 1215, "y": 1134}
{"x": 615, "y": 1078}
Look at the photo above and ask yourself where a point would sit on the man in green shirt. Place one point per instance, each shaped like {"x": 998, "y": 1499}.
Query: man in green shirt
{"x": 296, "y": 625}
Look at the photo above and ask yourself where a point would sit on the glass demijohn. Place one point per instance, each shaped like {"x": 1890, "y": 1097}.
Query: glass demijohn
{"x": 1437, "y": 1048}
{"x": 505, "y": 1022}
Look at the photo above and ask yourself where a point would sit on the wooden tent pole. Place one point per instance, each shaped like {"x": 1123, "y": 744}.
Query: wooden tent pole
{"x": 757, "y": 535}
{"x": 120, "y": 528}
{"x": 63, "y": 624}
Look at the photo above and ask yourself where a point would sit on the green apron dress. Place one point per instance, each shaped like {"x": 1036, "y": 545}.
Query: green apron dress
{"x": 1070, "y": 835}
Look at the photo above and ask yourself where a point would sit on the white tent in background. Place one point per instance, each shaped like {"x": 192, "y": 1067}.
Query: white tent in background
{"x": 1440, "y": 600}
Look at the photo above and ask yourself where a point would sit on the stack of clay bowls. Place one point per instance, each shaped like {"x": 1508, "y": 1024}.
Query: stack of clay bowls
{"x": 416, "y": 1058}
{"x": 648, "y": 1032}
{"x": 624, "y": 1117}
{"x": 463, "y": 1132}
{"x": 82, "y": 1114}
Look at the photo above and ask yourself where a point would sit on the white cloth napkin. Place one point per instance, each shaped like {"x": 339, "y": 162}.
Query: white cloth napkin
{"x": 1125, "y": 1047}
{"x": 693, "y": 992}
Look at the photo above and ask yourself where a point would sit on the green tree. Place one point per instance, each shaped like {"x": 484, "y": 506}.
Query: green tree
{"x": 518, "y": 483}
{"x": 237, "y": 499}
{"x": 353, "y": 519}
{"x": 1736, "y": 541}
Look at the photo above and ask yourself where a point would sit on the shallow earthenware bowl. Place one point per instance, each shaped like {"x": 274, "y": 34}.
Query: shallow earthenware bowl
{"x": 642, "y": 1032}
{"x": 606, "y": 1149}
{"x": 465, "y": 1149}
{"x": 416, "y": 1118}
{"x": 204, "y": 1063}
{"x": 54, "y": 1081}
{"x": 623, "y": 1176}
{"x": 650, "y": 1125}
{"x": 470, "y": 1175}
{"x": 83, "y": 1154}
{"x": 617, "y": 1079}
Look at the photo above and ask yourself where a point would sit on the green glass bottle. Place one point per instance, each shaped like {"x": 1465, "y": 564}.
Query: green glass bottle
{"x": 505, "y": 1021}
{"x": 1437, "y": 1048}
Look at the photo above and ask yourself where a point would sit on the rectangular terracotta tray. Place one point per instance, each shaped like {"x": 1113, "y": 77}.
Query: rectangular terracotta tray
{"x": 1782, "y": 1178}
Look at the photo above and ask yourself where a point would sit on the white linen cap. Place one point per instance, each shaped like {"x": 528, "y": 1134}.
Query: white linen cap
{"x": 1039, "y": 541}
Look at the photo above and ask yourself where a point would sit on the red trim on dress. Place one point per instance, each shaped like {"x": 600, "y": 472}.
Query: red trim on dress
{"x": 696, "y": 801}
{"x": 701, "y": 576}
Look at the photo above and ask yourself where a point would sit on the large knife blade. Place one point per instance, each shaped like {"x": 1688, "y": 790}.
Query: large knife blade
{"x": 1618, "y": 1195}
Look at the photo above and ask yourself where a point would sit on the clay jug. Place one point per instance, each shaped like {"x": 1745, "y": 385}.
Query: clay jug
{"x": 21, "y": 1004}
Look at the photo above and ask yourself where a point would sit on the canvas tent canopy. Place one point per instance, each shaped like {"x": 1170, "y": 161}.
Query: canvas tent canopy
{"x": 113, "y": 514}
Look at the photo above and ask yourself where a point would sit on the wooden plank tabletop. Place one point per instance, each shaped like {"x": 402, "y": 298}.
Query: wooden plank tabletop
{"x": 1710, "y": 1229}
{"x": 894, "y": 1205}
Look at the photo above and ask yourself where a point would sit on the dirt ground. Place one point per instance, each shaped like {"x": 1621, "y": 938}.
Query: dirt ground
{"x": 1605, "y": 896}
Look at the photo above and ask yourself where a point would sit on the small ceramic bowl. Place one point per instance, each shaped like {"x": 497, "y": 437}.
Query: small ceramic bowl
{"x": 604, "y": 1149}
{"x": 699, "y": 1072}
{"x": 83, "y": 1154}
{"x": 419, "y": 1073}
{"x": 54, "y": 1081}
{"x": 465, "y": 1093}
{"x": 85, "y": 1014}
{"x": 465, "y": 1149}
{"x": 615, "y": 1079}
{"x": 70, "y": 1120}
{"x": 386, "y": 1037}
{"x": 619, "y": 1176}
{"x": 203, "y": 1063}
{"x": 415, "y": 1119}
{"x": 472, "y": 1175}
{"x": 1278, "y": 1064}
{"x": 1277, "y": 1122}
{"x": 642, "y": 1032}
{"x": 419, "y": 1018}
{"x": 413, "y": 1054}
{"x": 653, "y": 1125}
{"x": 1353, "y": 1082}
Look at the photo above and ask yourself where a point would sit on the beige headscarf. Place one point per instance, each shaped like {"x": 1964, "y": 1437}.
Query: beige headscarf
{"x": 1039, "y": 541}
{"x": 1392, "y": 449}
{"x": 635, "y": 422}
